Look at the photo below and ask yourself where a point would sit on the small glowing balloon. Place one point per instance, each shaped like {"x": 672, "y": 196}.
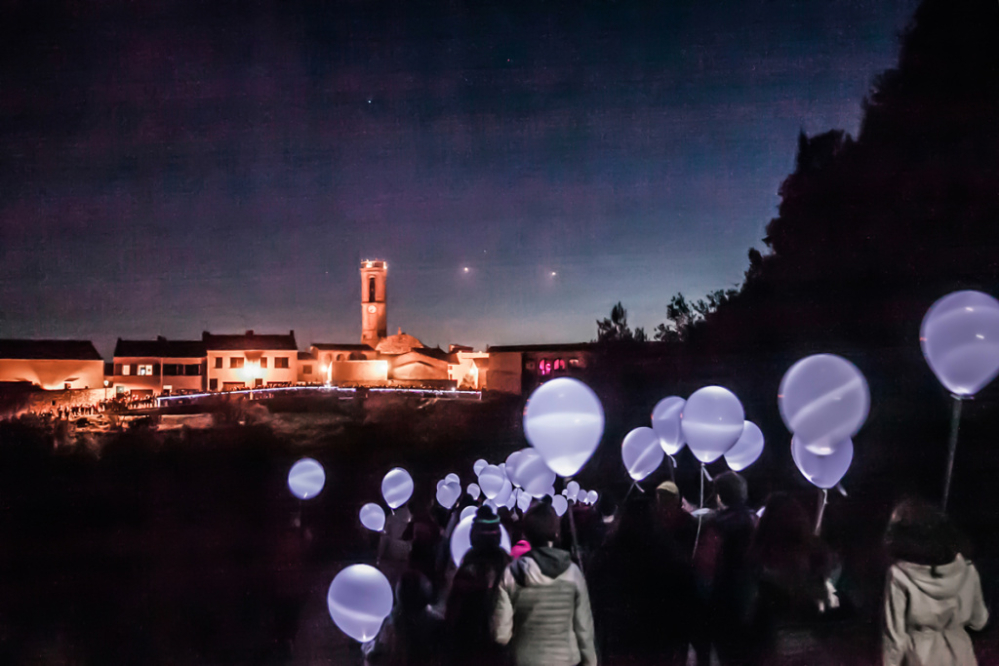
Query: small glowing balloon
{"x": 511, "y": 466}
{"x": 564, "y": 422}
{"x": 823, "y": 399}
{"x": 452, "y": 478}
{"x": 397, "y": 487}
{"x": 511, "y": 500}
{"x": 474, "y": 491}
{"x": 461, "y": 539}
{"x": 532, "y": 472}
{"x": 373, "y": 517}
{"x": 666, "y": 423}
{"x": 572, "y": 489}
{"x": 641, "y": 453}
{"x": 712, "y": 422}
{"x": 592, "y": 497}
{"x": 306, "y": 479}
{"x": 524, "y": 501}
{"x": 467, "y": 511}
{"x": 747, "y": 449}
{"x": 491, "y": 480}
{"x": 960, "y": 340}
{"x": 823, "y": 471}
{"x": 478, "y": 466}
{"x": 448, "y": 493}
{"x": 560, "y": 504}
{"x": 359, "y": 600}
{"x": 503, "y": 496}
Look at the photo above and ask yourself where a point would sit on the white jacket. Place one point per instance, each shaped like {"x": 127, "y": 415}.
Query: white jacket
{"x": 543, "y": 607}
{"x": 926, "y": 612}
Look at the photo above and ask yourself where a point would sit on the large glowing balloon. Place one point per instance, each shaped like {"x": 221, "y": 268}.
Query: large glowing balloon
{"x": 712, "y": 422}
{"x": 448, "y": 493}
{"x": 511, "y": 466}
{"x": 641, "y": 452}
{"x": 960, "y": 340}
{"x": 532, "y": 473}
{"x": 474, "y": 491}
{"x": 491, "y": 480}
{"x": 823, "y": 471}
{"x": 747, "y": 449}
{"x": 666, "y": 423}
{"x": 823, "y": 399}
{"x": 453, "y": 478}
{"x": 467, "y": 511}
{"x": 564, "y": 421}
{"x": 373, "y": 517}
{"x": 306, "y": 479}
{"x": 478, "y": 466}
{"x": 359, "y": 600}
{"x": 461, "y": 539}
{"x": 397, "y": 487}
{"x": 502, "y": 498}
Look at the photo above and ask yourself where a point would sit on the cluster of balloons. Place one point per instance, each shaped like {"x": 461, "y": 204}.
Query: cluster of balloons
{"x": 823, "y": 400}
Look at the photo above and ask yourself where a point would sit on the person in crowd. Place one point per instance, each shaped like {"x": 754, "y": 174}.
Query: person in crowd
{"x": 679, "y": 526}
{"x": 933, "y": 594}
{"x": 724, "y": 576}
{"x": 413, "y": 634}
{"x": 792, "y": 569}
{"x": 543, "y": 605}
{"x": 644, "y": 597}
{"x": 426, "y": 539}
{"x": 473, "y": 596}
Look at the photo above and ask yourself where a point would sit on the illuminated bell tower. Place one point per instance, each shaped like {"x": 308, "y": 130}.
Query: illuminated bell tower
{"x": 374, "y": 323}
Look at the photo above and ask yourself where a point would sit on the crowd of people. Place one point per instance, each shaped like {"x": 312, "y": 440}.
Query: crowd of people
{"x": 741, "y": 587}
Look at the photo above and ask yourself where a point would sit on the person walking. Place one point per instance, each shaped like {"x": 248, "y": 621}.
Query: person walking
{"x": 543, "y": 605}
{"x": 933, "y": 594}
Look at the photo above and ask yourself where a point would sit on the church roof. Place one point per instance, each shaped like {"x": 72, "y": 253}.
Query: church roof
{"x": 62, "y": 350}
{"x": 399, "y": 343}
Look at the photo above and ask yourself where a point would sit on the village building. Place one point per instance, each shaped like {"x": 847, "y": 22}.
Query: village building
{"x": 51, "y": 364}
{"x": 146, "y": 368}
{"x": 250, "y": 361}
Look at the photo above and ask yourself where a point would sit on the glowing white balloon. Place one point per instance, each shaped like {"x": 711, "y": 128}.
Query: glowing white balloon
{"x": 532, "y": 472}
{"x": 823, "y": 471}
{"x": 823, "y": 399}
{"x": 747, "y": 449}
{"x": 478, "y": 466}
{"x": 564, "y": 421}
{"x": 712, "y": 421}
{"x": 373, "y": 517}
{"x": 572, "y": 490}
{"x": 641, "y": 453}
{"x": 306, "y": 479}
{"x": 397, "y": 487}
{"x": 524, "y": 501}
{"x": 666, "y": 423}
{"x": 452, "y": 478}
{"x": 448, "y": 493}
{"x": 960, "y": 340}
{"x": 491, "y": 480}
{"x": 592, "y": 497}
{"x": 503, "y": 496}
{"x": 461, "y": 539}
{"x": 474, "y": 491}
{"x": 560, "y": 504}
{"x": 511, "y": 467}
{"x": 511, "y": 500}
{"x": 467, "y": 511}
{"x": 359, "y": 600}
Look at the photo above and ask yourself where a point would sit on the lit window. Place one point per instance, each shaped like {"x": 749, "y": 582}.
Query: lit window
{"x": 559, "y": 364}
{"x": 218, "y": 362}
{"x": 263, "y": 361}
{"x": 281, "y": 362}
{"x": 544, "y": 367}
{"x": 126, "y": 369}
{"x": 144, "y": 370}
{"x": 371, "y": 289}
{"x": 236, "y": 362}
{"x": 574, "y": 363}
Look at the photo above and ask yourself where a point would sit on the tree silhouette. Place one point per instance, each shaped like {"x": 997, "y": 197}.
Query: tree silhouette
{"x": 615, "y": 328}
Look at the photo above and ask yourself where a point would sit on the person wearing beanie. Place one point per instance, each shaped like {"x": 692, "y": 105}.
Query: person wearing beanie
{"x": 543, "y": 605}
{"x": 677, "y": 524}
{"x": 473, "y": 595}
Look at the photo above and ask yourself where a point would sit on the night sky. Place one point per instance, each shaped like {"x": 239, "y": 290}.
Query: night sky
{"x": 173, "y": 167}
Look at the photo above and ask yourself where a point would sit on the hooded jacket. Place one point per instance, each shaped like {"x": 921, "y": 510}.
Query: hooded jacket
{"x": 543, "y": 607}
{"x": 926, "y": 611}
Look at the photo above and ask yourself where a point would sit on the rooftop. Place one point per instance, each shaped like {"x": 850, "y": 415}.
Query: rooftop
{"x": 160, "y": 348}
{"x": 59, "y": 350}
{"x": 249, "y": 341}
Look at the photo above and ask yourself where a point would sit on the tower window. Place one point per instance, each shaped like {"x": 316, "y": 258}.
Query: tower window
{"x": 371, "y": 289}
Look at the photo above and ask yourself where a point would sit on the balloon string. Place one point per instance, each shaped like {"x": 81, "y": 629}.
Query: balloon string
{"x": 822, "y": 511}
{"x": 672, "y": 468}
{"x": 955, "y": 425}
{"x": 700, "y": 514}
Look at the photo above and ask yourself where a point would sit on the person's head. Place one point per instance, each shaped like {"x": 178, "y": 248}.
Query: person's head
{"x": 541, "y": 525}
{"x": 637, "y": 518}
{"x": 668, "y": 495}
{"x": 732, "y": 490}
{"x": 921, "y": 533}
{"x": 485, "y": 531}
{"x": 413, "y": 592}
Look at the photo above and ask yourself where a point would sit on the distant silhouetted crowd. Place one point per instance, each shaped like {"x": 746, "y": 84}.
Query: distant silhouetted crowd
{"x": 731, "y": 586}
